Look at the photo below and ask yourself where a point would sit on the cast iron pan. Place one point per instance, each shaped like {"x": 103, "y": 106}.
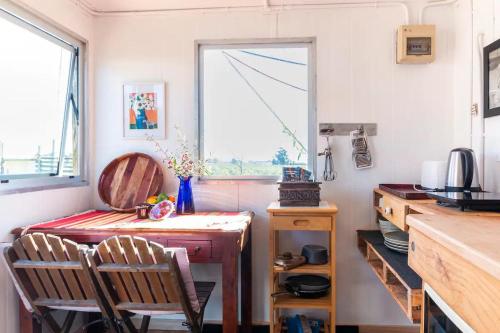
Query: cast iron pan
{"x": 306, "y": 286}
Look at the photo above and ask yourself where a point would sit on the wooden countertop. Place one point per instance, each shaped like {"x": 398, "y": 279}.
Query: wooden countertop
{"x": 475, "y": 238}
{"x": 324, "y": 207}
{"x": 432, "y": 208}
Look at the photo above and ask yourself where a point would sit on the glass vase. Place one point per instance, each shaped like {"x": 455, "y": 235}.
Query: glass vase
{"x": 185, "y": 204}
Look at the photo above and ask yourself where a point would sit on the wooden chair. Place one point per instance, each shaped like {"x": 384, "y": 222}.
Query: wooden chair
{"x": 53, "y": 274}
{"x": 146, "y": 278}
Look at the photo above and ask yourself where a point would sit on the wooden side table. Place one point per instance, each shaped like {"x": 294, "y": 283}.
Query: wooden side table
{"x": 319, "y": 219}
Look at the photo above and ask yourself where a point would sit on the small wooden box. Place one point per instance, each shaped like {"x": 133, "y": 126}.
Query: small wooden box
{"x": 416, "y": 44}
{"x": 293, "y": 194}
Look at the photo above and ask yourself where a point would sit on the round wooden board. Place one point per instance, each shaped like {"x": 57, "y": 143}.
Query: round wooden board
{"x": 129, "y": 180}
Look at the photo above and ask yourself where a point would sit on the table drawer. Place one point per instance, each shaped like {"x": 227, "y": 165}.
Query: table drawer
{"x": 194, "y": 248}
{"x": 395, "y": 211}
{"x": 302, "y": 222}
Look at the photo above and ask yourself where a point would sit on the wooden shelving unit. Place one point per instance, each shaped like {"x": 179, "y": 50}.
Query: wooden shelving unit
{"x": 392, "y": 270}
{"x": 317, "y": 219}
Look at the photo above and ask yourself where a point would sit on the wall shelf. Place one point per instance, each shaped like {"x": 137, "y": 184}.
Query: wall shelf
{"x": 392, "y": 269}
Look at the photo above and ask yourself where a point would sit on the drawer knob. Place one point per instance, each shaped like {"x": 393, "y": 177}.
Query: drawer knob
{"x": 388, "y": 210}
{"x": 197, "y": 249}
{"x": 299, "y": 223}
{"x": 413, "y": 246}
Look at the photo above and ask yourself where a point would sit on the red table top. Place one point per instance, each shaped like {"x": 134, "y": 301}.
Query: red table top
{"x": 109, "y": 220}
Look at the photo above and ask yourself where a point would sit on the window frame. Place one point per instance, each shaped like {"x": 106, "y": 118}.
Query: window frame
{"x": 20, "y": 183}
{"x": 310, "y": 44}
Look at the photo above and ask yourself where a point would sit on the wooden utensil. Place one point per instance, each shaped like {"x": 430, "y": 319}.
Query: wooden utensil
{"x": 129, "y": 180}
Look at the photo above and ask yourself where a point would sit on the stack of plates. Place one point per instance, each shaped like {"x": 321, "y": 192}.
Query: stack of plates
{"x": 396, "y": 241}
{"x": 386, "y": 226}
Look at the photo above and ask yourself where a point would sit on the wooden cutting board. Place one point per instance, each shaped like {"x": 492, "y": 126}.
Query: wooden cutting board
{"x": 129, "y": 180}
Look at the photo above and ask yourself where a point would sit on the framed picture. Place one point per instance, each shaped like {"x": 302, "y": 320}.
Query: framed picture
{"x": 144, "y": 110}
{"x": 491, "y": 61}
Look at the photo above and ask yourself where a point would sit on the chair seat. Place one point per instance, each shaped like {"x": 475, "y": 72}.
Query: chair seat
{"x": 203, "y": 291}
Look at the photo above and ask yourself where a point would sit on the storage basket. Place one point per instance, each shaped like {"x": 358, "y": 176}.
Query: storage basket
{"x": 299, "y": 194}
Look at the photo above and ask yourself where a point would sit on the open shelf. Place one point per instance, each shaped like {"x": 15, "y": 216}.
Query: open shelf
{"x": 294, "y": 302}
{"x": 307, "y": 268}
{"x": 393, "y": 271}
{"x": 280, "y": 326}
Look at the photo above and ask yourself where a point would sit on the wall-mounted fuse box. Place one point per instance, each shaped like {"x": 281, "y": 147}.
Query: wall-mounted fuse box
{"x": 416, "y": 44}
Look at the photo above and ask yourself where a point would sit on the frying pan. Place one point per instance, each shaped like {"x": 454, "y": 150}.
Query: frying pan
{"x": 305, "y": 286}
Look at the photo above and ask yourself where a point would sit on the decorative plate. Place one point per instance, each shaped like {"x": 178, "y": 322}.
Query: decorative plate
{"x": 129, "y": 180}
{"x": 161, "y": 210}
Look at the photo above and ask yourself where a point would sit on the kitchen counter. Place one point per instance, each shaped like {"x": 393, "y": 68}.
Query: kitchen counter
{"x": 475, "y": 238}
{"x": 459, "y": 257}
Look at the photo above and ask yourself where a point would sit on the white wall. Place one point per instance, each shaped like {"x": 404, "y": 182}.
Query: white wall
{"x": 357, "y": 80}
{"x": 487, "y": 25}
{"x": 28, "y": 208}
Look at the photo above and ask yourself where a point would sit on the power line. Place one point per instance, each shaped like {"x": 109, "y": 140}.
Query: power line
{"x": 262, "y": 73}
{"x": 274, "y": 58}
{"x": 269, "y": 108}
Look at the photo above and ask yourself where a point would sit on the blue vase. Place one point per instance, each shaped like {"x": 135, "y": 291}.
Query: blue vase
{"x": 185, "y": 204}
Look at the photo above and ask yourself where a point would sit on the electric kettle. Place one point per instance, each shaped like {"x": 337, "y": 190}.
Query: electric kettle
{"x": 462, "y": 174}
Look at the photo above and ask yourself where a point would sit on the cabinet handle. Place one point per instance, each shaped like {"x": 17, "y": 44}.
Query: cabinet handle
{"x": 197, "y": 249}
{"x": 299, "y": 223}
{"x": 413, "y": 246}
{"x": 388, "y": 210}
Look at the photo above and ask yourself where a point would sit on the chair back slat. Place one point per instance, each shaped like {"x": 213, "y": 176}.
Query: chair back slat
{"x": 105, "y": 257}
{"x": 45, "y": 253}
{"x": 73, "y": 254}
{"x": 117, "y": 256}
{"x": 31, "y": 273}
{"x": 166, "y": 278}
{"x": 31, "y": 250}
{"x": 139, "y": 278}
{"x": 59, "y": 253}
{"x": 145, "y": 256}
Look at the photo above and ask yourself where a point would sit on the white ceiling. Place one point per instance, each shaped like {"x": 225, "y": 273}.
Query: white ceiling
{"x": 133, "y": 5}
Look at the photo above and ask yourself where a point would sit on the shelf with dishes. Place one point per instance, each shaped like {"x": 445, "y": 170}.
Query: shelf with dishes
{"x": 391, "y": 268}
{"x": 294, "y": 302}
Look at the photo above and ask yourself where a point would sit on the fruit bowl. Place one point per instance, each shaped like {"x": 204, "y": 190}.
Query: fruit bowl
{"x": 161, "y": 210}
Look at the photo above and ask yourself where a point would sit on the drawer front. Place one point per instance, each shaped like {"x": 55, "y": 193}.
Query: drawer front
{"x": 314, "y": 223}
{"x": 194, "y": 248}
{"x": 395, "y": 211}
{"x": 472, "y": 293}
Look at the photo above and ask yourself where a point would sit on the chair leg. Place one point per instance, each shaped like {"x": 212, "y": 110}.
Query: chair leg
{"x": 68, "y": 322}
{"x": 145, "y": 324}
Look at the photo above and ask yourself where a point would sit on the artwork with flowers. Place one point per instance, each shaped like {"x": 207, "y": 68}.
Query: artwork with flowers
{"x": 144, "y": 110}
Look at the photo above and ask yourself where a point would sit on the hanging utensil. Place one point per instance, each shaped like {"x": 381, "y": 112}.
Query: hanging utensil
{"x": 360, "y": 153}
{"x": 329, "y": 173}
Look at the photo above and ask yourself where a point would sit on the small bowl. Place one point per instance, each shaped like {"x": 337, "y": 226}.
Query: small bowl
{"x": 386, "y": 226}
{"x": 161, "y": 210}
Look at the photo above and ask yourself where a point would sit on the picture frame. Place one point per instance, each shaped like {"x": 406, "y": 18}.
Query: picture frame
{"x": 491, "y": 77}
{"x": 144, "y": 110}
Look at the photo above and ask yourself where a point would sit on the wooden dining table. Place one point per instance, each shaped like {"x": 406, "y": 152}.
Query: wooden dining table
{"x": 209, "y": 237}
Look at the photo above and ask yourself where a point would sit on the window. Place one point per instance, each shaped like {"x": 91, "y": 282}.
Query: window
{"x": 256, "y": 107}
{"x": 40, "y": 112}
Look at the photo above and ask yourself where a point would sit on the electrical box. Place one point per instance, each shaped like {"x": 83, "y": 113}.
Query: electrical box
{"x": 416, "y": 44}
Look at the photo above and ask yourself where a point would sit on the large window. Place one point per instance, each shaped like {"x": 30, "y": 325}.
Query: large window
{"x": 40, "y": 112}
{"x": 256, "y": 103}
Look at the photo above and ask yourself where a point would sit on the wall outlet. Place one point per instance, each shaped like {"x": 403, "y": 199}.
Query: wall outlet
{"x": 474, "y": 110}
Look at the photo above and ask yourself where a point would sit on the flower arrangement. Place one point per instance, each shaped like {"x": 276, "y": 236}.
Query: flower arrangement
{"x": 181, "y": 162}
